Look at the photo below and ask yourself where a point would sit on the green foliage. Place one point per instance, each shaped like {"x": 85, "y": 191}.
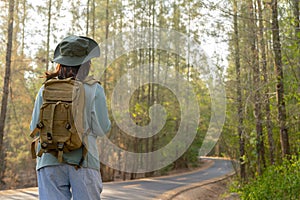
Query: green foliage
{"x": 277, "y": 182}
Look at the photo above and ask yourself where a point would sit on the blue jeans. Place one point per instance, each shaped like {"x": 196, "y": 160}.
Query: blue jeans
{"x": 64, "y": 182}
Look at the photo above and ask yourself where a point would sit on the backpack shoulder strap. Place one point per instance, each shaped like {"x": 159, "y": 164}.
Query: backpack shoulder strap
{"x": 90, "y": 80}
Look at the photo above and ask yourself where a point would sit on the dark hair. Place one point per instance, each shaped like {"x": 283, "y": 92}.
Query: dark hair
{"x": 79, "y": 72}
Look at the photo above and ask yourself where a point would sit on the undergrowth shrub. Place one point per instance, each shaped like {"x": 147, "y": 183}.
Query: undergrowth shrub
{"x": 279, "y": 182}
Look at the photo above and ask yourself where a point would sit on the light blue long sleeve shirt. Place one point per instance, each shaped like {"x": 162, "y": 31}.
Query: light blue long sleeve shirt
{"x": 96, "y": 119}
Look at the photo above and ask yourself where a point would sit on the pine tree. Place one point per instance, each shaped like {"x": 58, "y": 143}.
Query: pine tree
{"x": 6, "y": 85}
{"x": 281, "y": 104}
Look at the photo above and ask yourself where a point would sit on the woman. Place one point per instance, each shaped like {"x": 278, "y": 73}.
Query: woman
{"x": 62, "y": 181}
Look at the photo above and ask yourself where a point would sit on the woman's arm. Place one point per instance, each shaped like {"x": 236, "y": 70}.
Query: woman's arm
{"x": 100, "y": 120}
{"x": 36, "y": 110}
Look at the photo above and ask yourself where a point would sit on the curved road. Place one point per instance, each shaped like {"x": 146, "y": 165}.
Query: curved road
{"x": 143, "y": 189}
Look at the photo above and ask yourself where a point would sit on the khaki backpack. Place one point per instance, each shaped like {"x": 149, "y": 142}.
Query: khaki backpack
{"x": 61, "y": 122}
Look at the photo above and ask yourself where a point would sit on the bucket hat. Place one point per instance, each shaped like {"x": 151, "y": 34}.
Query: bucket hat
{"x": 75, "y": 50}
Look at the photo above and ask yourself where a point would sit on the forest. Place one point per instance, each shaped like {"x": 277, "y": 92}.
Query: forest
{"x": 225, "y": 73}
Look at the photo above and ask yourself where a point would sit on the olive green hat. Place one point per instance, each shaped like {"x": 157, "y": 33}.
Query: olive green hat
{"x": 75, "y": 50}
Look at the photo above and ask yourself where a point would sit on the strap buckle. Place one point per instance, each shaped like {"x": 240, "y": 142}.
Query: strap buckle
{"x": 60, "y": 146}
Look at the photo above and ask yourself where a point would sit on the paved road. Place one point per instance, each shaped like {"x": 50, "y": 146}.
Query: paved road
{"x": 144, "y": 189}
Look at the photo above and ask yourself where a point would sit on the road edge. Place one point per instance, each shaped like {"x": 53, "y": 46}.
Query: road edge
{"x": 169, "y": 195}
{"x": 208, "y": 164}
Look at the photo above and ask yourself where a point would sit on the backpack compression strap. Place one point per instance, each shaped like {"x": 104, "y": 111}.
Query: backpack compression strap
{"x": 35, "y": 141}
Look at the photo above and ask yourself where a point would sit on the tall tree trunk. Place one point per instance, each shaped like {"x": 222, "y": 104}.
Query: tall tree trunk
{"x": 106, "y": 38}
{"x": 240, "y": 113}
{"x": 153, "y": 51}
{"x": 296, "y": 5}
{"x": 87, "y": 17}
{"x": 105, "y": 169}
{"x": 265, "y": 81}
{"x": 23, "y": 28}
{"x": 284, "y": 139}
{"x": 150, "y": 85}
{"x": 256, "y": 85}
{"x": 93, "y": 20}
{"x": 6, "y": 84}
{"x": 48, "y": 33}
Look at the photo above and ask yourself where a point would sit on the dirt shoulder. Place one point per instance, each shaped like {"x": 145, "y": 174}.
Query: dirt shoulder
{"x": 210, "y": 191}
{"x": 213, "y": 189}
